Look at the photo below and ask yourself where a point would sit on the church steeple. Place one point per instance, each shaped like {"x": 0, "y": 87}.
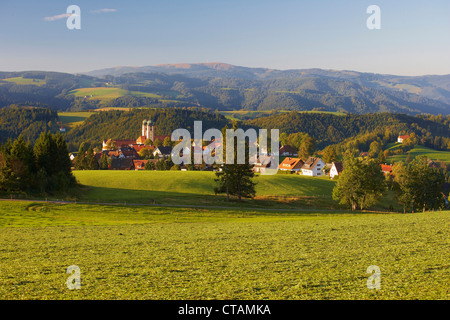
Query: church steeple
{"x": 150, "y": 130}
{"x": 144, "y": 127}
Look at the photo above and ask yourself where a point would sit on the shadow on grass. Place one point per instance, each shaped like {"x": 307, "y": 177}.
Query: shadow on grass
{"x": 127, "y": 196}
{"x": 121, "y": 196}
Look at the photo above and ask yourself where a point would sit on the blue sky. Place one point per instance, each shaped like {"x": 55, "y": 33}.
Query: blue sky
{"x": 285, "y": 34}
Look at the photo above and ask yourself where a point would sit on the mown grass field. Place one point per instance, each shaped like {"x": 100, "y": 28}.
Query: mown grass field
{"x": 419, "y": 151}
{"x": 135, "y": 252}
{"x": 108, "y": 93}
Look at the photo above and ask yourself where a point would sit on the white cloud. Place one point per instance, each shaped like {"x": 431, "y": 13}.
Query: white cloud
{"x": 103, "y": 10}
{"x": 59, "y": 16}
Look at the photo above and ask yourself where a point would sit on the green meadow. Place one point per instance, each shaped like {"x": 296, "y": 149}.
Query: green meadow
{"x": 419, "y": 151}
{"x": 24, "y": 81}
{"x": 72, "y": 119}
{"x": 197, "y": 188}
{"x": 108, "y": 93}
{"x": 146, "y": 252}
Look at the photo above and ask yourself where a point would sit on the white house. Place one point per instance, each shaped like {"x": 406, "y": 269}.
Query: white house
{"x": 336, "y": 169}
{"x": 313, "y": 167}
{"x": 162, "y": 151}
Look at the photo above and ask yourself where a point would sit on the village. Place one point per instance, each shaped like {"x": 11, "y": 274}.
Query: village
{"x": 149, "y": 149}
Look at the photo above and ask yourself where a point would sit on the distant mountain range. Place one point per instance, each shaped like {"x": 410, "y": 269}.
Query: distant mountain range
{"x": 227, "y": 87}
{"x": 435, "y": 87}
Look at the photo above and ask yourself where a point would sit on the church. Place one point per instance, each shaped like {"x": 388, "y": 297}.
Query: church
{"x": 148, "y": 132}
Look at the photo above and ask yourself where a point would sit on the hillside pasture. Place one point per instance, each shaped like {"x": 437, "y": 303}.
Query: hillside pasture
{"x": 197, "y": 188}
{"x": 72, "y": 119}
{"x": 108, "y": 93}
{"x": 25, "y": 81}
{"x": 419, "y": 151}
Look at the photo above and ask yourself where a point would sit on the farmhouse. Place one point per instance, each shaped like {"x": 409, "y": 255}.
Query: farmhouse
{"x": 291, "y": 164}
{"x": 313, "y": 167}
{"x": 336, "y": 169}
{"x": 400, "y": 139}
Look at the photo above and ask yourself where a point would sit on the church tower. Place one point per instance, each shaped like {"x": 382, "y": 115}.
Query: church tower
{"x": 144, "y": 128}
{"x": 150, "y": 130}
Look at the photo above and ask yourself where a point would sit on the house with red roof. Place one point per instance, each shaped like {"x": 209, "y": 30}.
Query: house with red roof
{"x": 291, "y": 164}
{"x": 139, "y": 164}
{"x": 386, "y": 169}
{"x": 400, "y": 139}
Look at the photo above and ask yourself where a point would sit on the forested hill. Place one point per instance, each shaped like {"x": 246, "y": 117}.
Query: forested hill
{"x": 332, "y": 129}
{"x": 28, "y": 122}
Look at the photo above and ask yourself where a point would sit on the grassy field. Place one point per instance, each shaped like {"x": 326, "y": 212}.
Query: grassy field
{"x": 419, "y": 151}
{"x": 108, "y": 93}
{"x": 72, "y": 119}
{"x": 197, "y": 188}
{"x": 161, "y": 253}
{"x": 20, "y": 80}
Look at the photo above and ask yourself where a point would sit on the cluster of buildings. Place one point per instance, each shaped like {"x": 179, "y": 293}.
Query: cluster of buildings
{"x": 312, "y": 167}
{"x": 124, "y": 154}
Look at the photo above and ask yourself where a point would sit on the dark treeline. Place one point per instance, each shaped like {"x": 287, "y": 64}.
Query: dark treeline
{"x": 42, "y": 168}
{"x": 28, "y": 122}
